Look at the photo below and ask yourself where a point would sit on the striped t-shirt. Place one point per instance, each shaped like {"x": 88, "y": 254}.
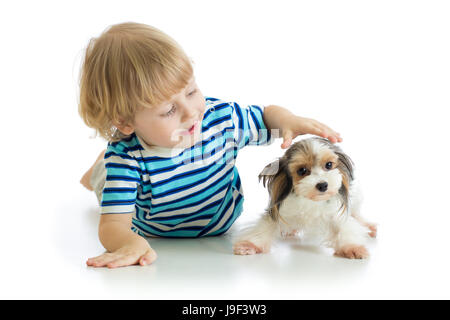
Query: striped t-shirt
{"x": 192, "y": 192}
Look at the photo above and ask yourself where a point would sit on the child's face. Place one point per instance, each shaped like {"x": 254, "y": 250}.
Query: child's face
{"x": 171, "y": 123}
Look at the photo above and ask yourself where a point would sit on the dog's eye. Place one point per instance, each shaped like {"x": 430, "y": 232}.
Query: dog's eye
{"x": 302, "y": 171}
{"x": 329, "y": 165}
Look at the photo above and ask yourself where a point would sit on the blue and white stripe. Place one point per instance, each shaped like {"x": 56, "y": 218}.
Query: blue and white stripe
{"x": 194, "y": 193}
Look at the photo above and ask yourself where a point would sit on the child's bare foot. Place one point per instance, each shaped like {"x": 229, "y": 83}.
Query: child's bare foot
{"x": 86, "y": 179}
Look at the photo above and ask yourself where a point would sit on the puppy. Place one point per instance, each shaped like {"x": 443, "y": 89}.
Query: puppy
{"x": 312, "y": 191}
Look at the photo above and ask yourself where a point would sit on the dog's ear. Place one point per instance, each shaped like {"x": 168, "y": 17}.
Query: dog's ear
{"x": 345, "y": 167}
{"x": 345, "y": 164}
{"x": 269, "y": 172}
{"x": 279, "y": 183}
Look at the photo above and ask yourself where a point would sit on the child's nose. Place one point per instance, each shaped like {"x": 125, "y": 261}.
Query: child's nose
{"x": 189, "y": 114}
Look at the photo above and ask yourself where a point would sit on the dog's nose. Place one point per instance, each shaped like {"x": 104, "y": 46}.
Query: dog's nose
{"x": 322, "y": 187}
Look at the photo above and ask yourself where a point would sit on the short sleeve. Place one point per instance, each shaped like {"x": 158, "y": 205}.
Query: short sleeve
{"x": 250, "y": 128}
{"x": 123, "y": 175}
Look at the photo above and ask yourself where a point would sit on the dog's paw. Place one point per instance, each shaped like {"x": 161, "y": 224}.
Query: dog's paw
{"x": 289, "y": 234}
{"x": 246, "y": 248}
{"x": 352, "y": 252}
{"x": 372, "y": 229}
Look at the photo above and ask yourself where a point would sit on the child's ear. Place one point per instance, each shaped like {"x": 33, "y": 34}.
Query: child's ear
{"x": 126, "y": 129}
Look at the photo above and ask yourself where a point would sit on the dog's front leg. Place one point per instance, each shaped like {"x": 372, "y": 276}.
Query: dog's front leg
{"x": 258, "y": 238}
{"x": 349, "y": 238}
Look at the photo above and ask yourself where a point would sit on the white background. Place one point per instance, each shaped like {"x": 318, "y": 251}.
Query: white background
{"x": 376, "y": 71}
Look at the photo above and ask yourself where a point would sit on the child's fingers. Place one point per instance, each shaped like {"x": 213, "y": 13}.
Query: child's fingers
{"x": 334, "y": 137}
{"x": 95, "y": 260}
{"x": 333, "y": 133}
{"x": 114, "y": 260}
{"x": 102, "y": 260}
{"x": 328, "y": 133}
{"x": 123, "y": 261}
{"x": 318, "y": 130}
{"x": 287, "y": 139}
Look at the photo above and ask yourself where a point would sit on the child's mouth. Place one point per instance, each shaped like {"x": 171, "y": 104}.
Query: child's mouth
{"x": 191, "y": 129}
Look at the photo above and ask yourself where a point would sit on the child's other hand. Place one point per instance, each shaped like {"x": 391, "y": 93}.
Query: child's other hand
{"x": 299, "y": 125}
{"x": 136, "y": 253}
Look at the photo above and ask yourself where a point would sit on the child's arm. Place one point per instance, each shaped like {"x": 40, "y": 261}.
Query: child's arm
{"x": 276, "y": 117}
{"x": 124, "y": 247}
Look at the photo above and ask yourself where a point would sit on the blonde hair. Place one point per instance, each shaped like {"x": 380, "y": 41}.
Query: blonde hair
{"x": 127, "y": 67}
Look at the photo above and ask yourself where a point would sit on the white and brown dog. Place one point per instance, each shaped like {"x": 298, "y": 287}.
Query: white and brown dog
{"x": 312, "y": 191}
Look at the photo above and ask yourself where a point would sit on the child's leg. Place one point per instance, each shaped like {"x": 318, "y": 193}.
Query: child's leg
{"x": 86, "y": 179}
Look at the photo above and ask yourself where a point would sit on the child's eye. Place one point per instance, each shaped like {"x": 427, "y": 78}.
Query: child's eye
{"x": 190, "y": 94}
{"x": 171, "y": 112}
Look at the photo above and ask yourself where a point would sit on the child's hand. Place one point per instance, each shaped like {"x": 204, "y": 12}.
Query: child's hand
{"x": 134, "y": 253}
{"x": 299, "y": 125}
